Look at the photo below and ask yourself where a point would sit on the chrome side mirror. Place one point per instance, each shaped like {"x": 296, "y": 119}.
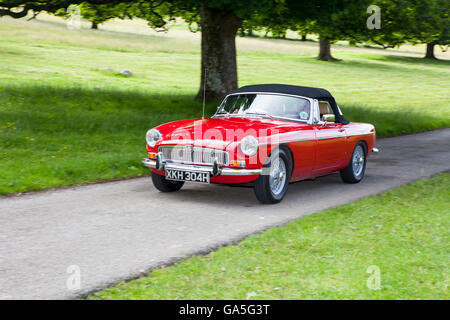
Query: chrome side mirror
{"x": 328, "y": 118}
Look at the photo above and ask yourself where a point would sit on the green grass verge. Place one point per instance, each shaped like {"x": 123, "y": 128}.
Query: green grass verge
{"x": 404, "y": 232}
{"x": 67, "y": 116}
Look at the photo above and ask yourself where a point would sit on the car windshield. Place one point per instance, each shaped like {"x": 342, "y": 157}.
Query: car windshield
{"x": 271, "y": 105}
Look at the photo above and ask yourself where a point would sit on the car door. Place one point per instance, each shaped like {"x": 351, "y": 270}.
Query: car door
{"x": 330, "y": 144}
{"x": 303, "y": 146}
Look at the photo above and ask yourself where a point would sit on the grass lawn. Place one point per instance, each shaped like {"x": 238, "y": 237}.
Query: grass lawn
{"x": 404, "y": 232}
{"x": 67, "y": 116}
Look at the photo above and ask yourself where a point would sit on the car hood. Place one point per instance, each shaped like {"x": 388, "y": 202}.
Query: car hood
{"x": 218, "y": 133}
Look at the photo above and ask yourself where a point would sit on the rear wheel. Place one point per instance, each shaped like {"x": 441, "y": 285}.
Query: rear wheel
{"x": 354, "y": 172}
{"x": 272, "y": 184}
{"x": 164, "y": 185}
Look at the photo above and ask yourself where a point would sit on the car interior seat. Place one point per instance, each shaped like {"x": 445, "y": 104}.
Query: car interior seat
{"x": 324, "y": 108}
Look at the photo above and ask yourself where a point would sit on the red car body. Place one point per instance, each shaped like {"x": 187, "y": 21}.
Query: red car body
{"x": 316, "y": 150}
{"x": 316, "y": 147}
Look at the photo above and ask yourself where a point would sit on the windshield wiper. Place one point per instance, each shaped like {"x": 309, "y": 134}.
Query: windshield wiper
{"x": 261, "y": 113}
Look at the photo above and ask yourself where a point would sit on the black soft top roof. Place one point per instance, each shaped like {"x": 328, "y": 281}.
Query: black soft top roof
{"x": 314, "y": 93}
{"x": 309, "y": 92}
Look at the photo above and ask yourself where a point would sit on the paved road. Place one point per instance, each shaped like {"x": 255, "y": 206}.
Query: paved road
{"x": 114, "y": 231}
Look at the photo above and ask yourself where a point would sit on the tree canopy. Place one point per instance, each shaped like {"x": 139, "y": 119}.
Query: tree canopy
{"x": 413, "y": 21}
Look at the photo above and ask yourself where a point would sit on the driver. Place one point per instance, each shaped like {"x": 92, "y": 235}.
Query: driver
{"x": 303, "y": 110}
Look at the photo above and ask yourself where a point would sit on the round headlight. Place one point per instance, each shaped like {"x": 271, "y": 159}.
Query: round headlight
{"x": 249, "y": 146}
{"x": 152, "y": 136}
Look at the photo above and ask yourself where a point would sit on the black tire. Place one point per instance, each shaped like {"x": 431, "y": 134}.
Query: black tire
{"x": 352, "y": 174}
{"x": 262, "y": 188}
{"x": 164, "y": 185}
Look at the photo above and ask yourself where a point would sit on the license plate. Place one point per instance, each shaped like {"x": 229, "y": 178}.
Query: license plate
{"x": 191, "y": 176}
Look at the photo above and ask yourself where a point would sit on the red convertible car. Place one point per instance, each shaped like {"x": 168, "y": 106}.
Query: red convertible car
{"x": 263, "y": 135}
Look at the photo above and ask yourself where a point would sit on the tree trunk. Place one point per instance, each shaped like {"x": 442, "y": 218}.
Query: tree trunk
{"x": 325, "y": 51}
{"x": 94, "y": 25}
{"x": 219, "y": 29}
{"x": 430, "y": 51}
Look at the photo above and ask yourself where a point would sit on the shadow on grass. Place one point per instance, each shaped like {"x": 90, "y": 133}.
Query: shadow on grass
{"x": 392, "y": 123}
{"x": 410, "y": 60}
{"x": 12, "y": 52}
{"x": 348, "y": 62}
{"x": 380, "y": 63}
{"x": 93, "y": 111}
{"x": 76, "y": 110}
{"x": 377, "y": 65}
{"x": 396, "y": 61}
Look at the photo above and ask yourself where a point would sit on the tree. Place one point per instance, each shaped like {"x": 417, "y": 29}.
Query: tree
{"x": 100, "y": 13}
{"x": 429, "y": 23}
{"x": 330, "y": 19}
{"x": 413, "y": 21}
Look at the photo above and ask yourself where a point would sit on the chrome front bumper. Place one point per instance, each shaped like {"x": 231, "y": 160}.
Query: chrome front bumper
{"x": 188, "y": 167}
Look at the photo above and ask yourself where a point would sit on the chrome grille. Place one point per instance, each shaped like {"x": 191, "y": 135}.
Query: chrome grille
{"x": 195, "y": 155}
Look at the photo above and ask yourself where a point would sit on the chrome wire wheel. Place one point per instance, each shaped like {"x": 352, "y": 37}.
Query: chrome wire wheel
{"x": 358, "y": 160}
{"x": 273, "y": 182}
{"x": 354, "y": 171}
{"x": 277, "y": 177}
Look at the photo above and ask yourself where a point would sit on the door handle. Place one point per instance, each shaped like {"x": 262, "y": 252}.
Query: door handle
{"x": 341, "y": 130}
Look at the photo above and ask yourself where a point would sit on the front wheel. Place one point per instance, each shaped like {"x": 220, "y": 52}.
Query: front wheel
{"x": 354, "y": 172}
{"x": 272, "y": 184}
{"x": 164, "y": 185}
